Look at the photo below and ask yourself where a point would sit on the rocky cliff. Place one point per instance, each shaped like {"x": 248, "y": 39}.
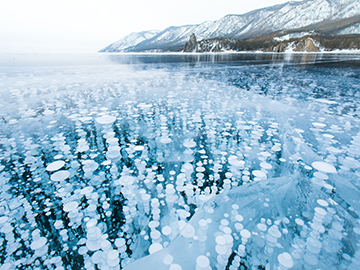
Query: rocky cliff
{"x": 307, "y": 43}
{"x": 191, "y": 45}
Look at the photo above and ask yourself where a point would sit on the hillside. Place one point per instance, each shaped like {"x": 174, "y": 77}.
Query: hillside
{"x": 325, "y": 17}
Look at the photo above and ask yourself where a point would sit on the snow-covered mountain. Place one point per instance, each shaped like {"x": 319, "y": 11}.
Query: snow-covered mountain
{"x": 291, "y": 15}
{"x": 129, "y": 40}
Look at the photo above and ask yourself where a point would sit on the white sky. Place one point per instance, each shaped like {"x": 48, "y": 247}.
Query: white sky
{"x": 89, "y": 25}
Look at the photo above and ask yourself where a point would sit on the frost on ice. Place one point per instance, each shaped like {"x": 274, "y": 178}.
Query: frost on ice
{"x": 178, "y": 169}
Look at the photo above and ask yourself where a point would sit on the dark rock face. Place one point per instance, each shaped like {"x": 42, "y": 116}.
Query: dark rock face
{"x": 310, "y": 43}
{"x": 190, "y": 46}
{"x": 280, "y": 48}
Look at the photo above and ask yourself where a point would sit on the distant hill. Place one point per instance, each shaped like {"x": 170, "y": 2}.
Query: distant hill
{"x": 261, "y": 29}
{"x": 130, "y": 40}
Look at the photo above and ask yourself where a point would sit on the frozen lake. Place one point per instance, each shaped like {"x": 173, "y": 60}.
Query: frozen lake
{"x": 180, "y": 161}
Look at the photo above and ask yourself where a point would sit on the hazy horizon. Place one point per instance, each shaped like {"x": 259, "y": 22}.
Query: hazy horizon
{"x": 88, "y": 26}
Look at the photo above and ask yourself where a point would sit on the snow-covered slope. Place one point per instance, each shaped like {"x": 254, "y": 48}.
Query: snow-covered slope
{"x": 129, "y": 40}
{"x": 354, "y": 29}
{"x": 290, "y": 15}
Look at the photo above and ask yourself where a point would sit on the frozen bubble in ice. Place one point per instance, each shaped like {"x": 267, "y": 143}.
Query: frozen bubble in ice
{"x": 324, "y": 167}
{"x": 83, "y": 250}
{"x": 120, "y": 242}
{"x": 113, "y": 255}
{"x": 227, "y": 230}
{"x": 299, "y": 222}
{"x": 239, "y": 226}
{"x": 7, "y": 227}
{"x": 165, "y": 140}
{"x": 336, "y": 225}
{"x": 220, "y": 240}
{"x": 106, "y": 162}
{"x": 166, "y": 230}
{"x": 187, "y": 166}
{"x": 333, "y": 150}
{"x": 60, "y": 176}
{"x": 203, "y": 223}
{"x": 357, "y": 230}
{"x": 320, "y": 211}
{"x": 153, "y": 224}
{"x": 70, "y": 206}
{"x": 188, "y": 231}
{"x": 321, "y": 175}
{"x": 155, "y": 234}
{"x": 189, "y": 143}
{"x": 112, "y": 154}
{"x": 202, "y": 262}
{"x": 274, "y": 231}
{"x": 224, "y": 222}
{"x": 7, "y": 266}
{"x": 91, "y": 223}
{"x": 175, "y": 266}
{"x": 328, "y": 136}
{"x": 87, "y": 190}
{"x": 56, "y": 165}
{"x": 155, "y": 247}
{"x": 221, "y": 249}
{"x": 285, "y": 220}
{"x": 105, "y": 244}
{"x": 259, "y": 174}
{"x": 139, "y": 148}
{"x": 3, "y": 220}
{"x": 168, "y": 259}
{"x": 265, "y": 165}
{"x": 322, "y": 203}
{"x": 346, "y": 257}
{"x": 97, "y": 257}
{"x": 245, "y": 233}
{"x": 265, "y": 154}
{"x": 276, "y": 148}
{"x": 229, "y": 238}
{"x": 39, "y": 243}
{"x": 262, "y": 227}
{"x": 125, "y": 180}
{"x": 145, "y": 197}
{"x": 239, "y": 218}
{"x": 319, "y": 125}
{"x": 328, "y": 187}
{"x": 285, "y": 260}
{"x": 106, "y": 119}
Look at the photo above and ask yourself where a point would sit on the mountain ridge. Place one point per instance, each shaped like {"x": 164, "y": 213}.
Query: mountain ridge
{"x": 282, "y": 17}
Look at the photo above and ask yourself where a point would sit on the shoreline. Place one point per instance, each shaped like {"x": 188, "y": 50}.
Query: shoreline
{"x": 176, "y": 53}
{"x": 229, "y": 52}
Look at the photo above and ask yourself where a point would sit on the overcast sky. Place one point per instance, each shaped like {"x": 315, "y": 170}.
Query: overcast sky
{"x": 89, "y": 25}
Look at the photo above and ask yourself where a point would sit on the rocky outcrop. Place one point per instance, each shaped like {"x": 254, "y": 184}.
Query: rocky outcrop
{"x": 297, "y": 45}
{"x": 190, "y": 46}
{"x": 280, "y": 48}
{"x": 308, "y": 43}
{"x": 310, "y": 46}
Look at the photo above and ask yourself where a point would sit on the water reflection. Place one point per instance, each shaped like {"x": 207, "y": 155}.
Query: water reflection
{"x": 237, "y": 58}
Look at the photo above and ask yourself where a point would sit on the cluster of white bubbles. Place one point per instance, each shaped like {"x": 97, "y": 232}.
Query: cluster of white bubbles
{"x": 169, "y": 169}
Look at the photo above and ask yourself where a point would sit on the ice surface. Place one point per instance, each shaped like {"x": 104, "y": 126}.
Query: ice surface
{"x": 182, "y": 165}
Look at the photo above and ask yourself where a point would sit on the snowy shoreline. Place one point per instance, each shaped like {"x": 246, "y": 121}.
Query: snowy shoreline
{"x": 228, "y": 52}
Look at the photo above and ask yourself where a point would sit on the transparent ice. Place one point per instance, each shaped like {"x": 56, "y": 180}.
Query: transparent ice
{"x": 180, "y": 162}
